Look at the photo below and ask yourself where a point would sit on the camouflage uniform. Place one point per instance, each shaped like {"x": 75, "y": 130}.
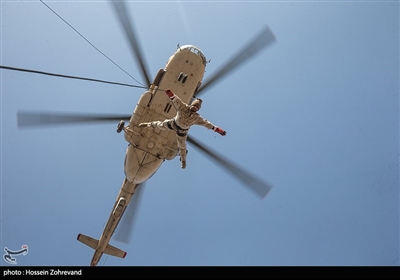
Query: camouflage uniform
{"x": 181, "y": 123}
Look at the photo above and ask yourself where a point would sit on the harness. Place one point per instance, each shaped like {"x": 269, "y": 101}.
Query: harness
{"x": 179, "y": 130}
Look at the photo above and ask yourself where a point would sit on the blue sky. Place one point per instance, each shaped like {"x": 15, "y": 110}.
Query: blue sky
{"x": 316, "y": 115}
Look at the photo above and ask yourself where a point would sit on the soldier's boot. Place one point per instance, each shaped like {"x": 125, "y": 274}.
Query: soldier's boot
{"x": 183, "y": 158}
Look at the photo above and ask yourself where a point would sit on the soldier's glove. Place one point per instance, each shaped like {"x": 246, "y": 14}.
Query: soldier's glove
{"x": 220, "y": 131}
{"x": 169, "y": 93}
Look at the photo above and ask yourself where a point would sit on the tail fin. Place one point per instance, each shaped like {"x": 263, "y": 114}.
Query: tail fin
{"x": 92, "y": 243}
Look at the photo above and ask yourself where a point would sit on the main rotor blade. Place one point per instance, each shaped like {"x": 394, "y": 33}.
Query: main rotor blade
{"x": 66, "y": 76}
{"x": 29, "y": 119}
{"x": 126, "y": 225}
{"x": 257, "y": 186}
{"x": 127, "y": 25}
{"x": 263, "y": 39}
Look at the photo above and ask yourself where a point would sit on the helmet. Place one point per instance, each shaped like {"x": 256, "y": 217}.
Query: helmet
{"x": 197, "y": 102}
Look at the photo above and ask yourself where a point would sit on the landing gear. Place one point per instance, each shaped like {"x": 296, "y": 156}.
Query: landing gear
{"x": 120, "y": 126}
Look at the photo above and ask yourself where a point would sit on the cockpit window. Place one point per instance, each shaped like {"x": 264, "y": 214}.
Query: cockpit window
{"x": 195, "y": 50}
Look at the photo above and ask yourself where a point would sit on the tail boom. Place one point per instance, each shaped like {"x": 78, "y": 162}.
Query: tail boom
{"x": 94, "y": 244}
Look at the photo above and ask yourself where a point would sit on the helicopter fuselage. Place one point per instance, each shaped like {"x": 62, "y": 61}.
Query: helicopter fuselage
{"x": 148, "y": 148}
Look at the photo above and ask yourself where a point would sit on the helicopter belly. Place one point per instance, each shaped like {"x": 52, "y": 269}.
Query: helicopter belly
{"x": 140, "y": 165}
{"x": 149, "y": 146}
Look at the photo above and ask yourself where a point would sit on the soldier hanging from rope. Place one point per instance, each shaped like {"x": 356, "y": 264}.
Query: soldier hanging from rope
{"x": 186, "y": 116}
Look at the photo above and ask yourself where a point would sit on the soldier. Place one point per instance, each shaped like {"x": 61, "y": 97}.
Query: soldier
{"x": 186, "y": 116}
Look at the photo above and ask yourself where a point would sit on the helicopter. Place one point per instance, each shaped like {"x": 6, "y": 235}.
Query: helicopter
{"x": 149, "y": 148}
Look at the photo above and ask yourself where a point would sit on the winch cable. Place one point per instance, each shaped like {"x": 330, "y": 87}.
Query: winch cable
{"x": 90, "y": 43}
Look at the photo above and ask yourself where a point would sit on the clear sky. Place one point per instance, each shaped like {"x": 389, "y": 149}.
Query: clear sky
{"x": 316, "y": 114}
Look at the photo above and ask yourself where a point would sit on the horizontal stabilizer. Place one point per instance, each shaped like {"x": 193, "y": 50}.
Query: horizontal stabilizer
{"x": 114, "y": 251}
{"x": 92, "y": 243}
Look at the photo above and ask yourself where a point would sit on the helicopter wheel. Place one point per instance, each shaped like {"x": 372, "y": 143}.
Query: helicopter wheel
{"x": 120, "y": 126}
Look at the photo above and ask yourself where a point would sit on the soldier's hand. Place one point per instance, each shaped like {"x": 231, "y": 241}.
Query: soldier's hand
{"x": 220, "y": 131}
{"x": 169, "y": 92}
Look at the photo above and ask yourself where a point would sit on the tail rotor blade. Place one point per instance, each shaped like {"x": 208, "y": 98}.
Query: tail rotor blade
{"x": 31, "y": 119}
{"x": 262, "y": 40}
{"x": 258, "y": 187}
